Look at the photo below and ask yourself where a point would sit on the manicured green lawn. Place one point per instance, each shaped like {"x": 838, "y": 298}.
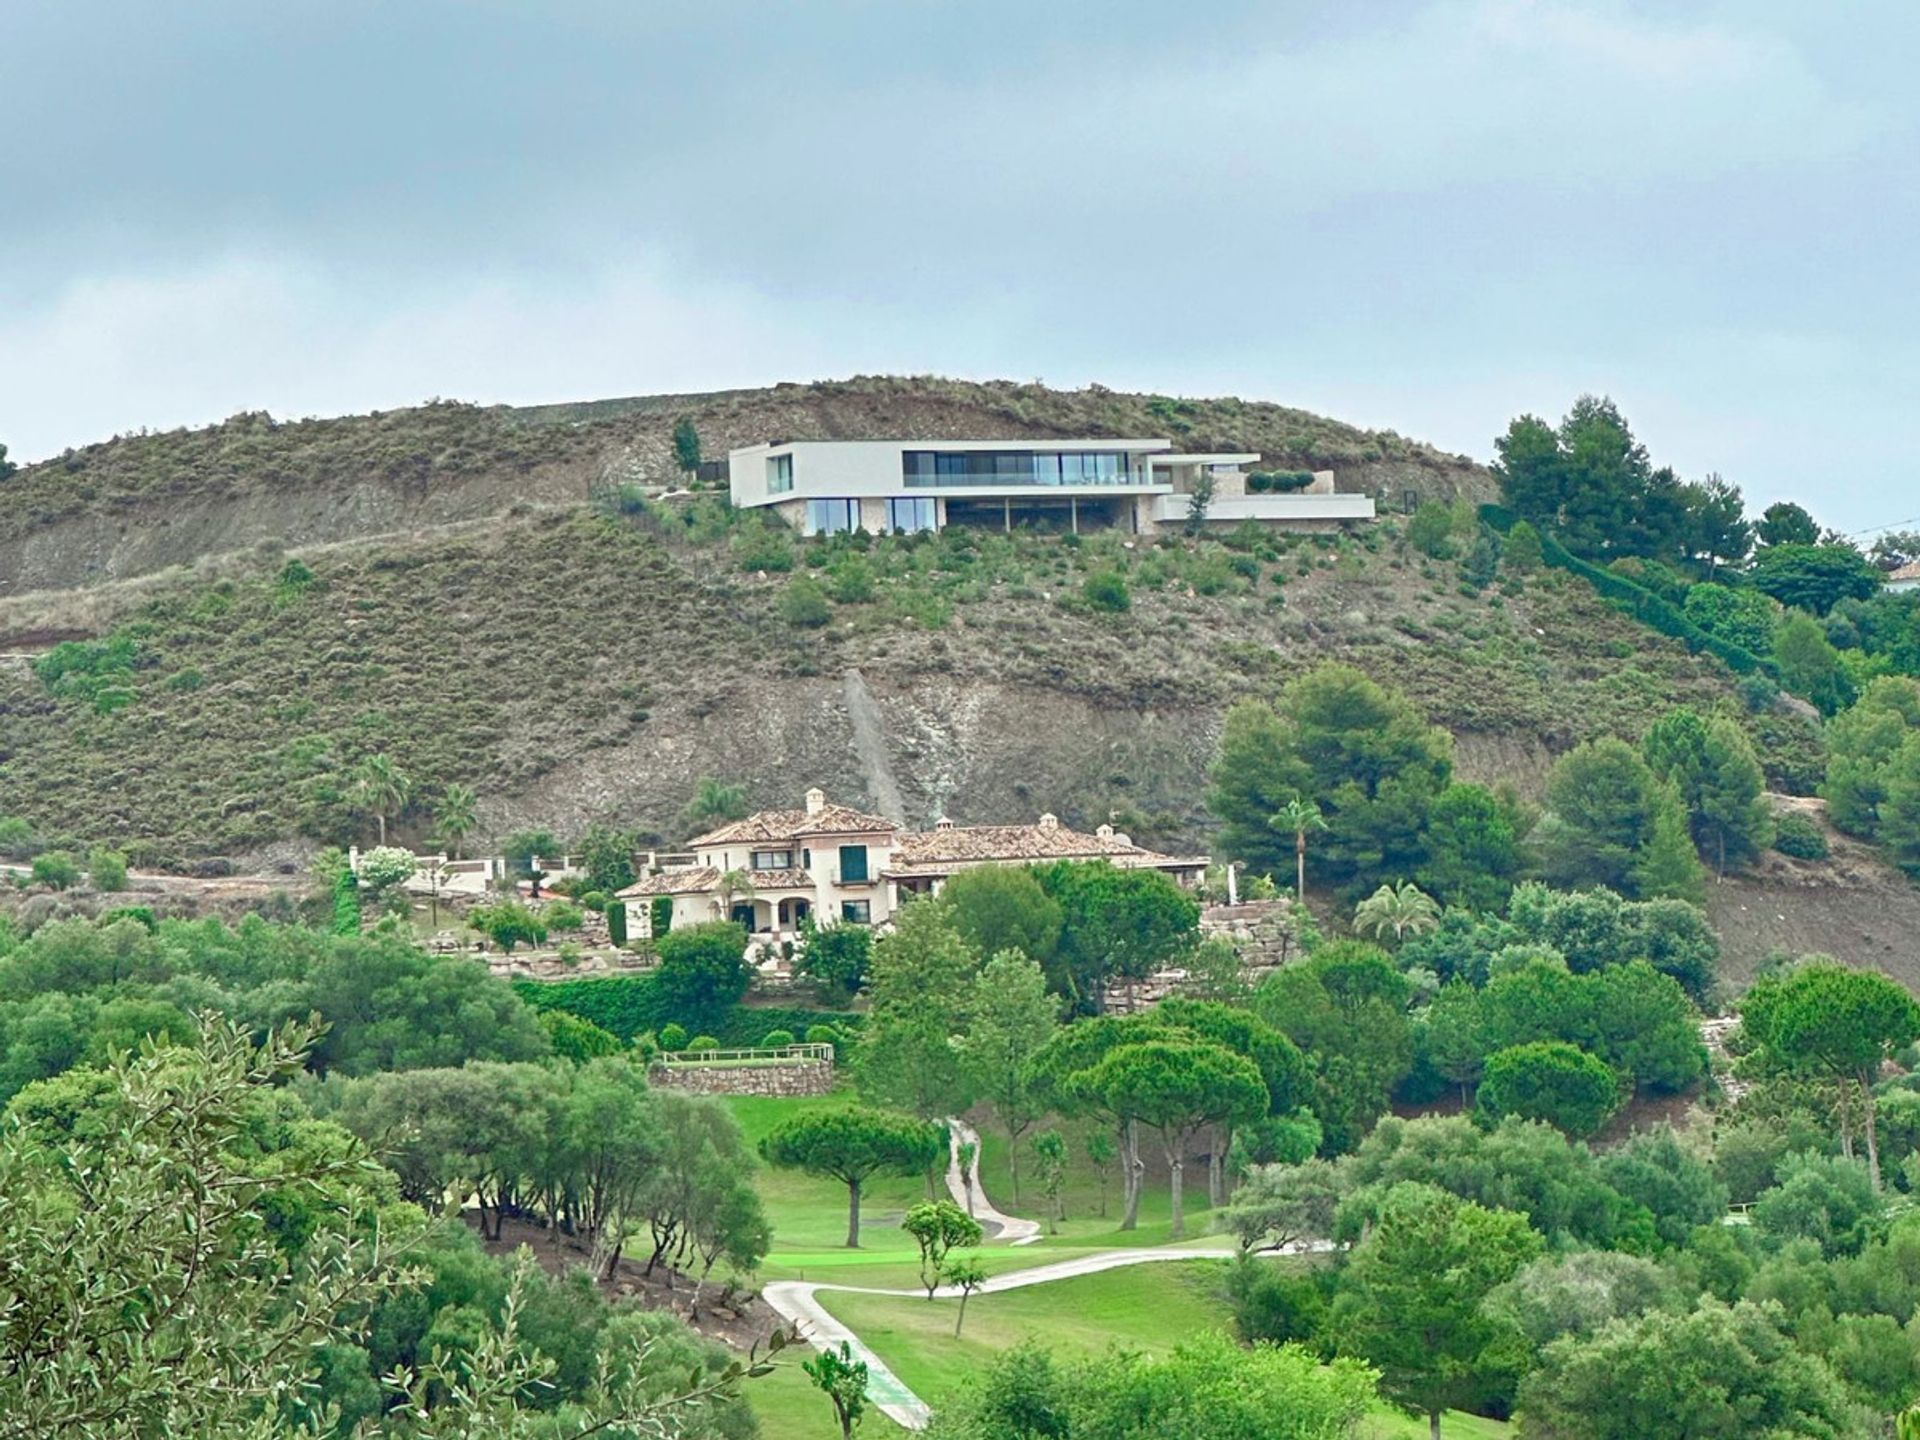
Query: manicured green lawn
{"x": 809, "y": 1214}
{"x": 1145, "y": 1307}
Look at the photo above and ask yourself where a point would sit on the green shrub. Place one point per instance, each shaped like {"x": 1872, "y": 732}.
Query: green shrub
{"x": 776, "y": 1040}
{"x": 702, "y": 1043}
{"x": 850, "y": 581}
{"x": 56, "y": 869}
{"x": 1430, "y": 531}
{"x": 594, "y": 900}
{"x": 760, "y": 546}
{"x": 804, "y": 603}
{"x": 562, "y": 916}
{"x": 1106, "y": 590}
{"x": 185, "y": 682}
{"x": 1270, "y": 482}
{"x": 824, "y": 1035}
{"x": 617, "y": 921}
{"x": 673, "y": 1038}
{"x": 660, "y": 915}
{"x": 1799, "y": 837}
{"x": 1521, "y": 554}
{"x": 108, "y": 868}
{"x": 17, "y": 840}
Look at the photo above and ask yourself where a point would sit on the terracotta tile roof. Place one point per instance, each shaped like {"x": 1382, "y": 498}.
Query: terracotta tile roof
{"x": 772, "y": 826}
{"x": 780, "y": 879}
{"x": 1909, "y": 571}
{"x": 940, "y": 849}
{"x": 691, "y": 880}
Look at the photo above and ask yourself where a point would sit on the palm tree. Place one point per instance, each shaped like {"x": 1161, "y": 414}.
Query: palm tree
{"x": 380, "y": 789}
{"x": 454, "y": 817}
{"x": 1404, "y": 909}
{"x": 1299, "y": 815}
{"x": 714, "y": 801}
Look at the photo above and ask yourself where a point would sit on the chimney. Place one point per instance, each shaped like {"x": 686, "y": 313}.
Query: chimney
{"x": 816, "y": 800}
{"x": 1049, "y": 822}
{"x": 943, "y": 823}
{"x": 1105, "y": 832}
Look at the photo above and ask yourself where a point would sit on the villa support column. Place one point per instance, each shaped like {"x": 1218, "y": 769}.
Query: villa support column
{"x": 1073, "y": 513}
{"x": 1006, "y": 512}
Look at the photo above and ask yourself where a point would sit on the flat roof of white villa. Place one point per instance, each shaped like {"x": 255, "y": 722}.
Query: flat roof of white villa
{"x": 1209, "y": 457}
{"x": 1029, "y": 442}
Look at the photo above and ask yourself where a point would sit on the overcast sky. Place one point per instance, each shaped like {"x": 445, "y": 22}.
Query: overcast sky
{"x": 1425, "y": 216}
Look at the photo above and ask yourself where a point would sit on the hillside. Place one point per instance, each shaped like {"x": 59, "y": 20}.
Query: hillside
{"x": 574, "y": 668}
{"x": 463, "y": 608}
{"x": 137, "y": 504}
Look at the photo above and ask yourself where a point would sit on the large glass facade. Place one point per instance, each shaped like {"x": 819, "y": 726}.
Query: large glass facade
{"x": 832, "y": 517}
{"x": 779, "y": 474}
{"x": 912, "y": 515}
{"x": 928, "y": 468}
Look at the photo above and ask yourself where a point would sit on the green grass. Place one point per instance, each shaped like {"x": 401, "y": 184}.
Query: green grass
{"x": 1145, "y": 1307}
{"x": 810, "y": 1214}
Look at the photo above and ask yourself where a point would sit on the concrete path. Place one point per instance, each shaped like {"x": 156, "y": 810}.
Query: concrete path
{"x": 971, "y": 1196}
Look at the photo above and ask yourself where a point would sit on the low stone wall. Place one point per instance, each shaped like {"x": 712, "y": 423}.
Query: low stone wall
{"x": 784, "y": 1080}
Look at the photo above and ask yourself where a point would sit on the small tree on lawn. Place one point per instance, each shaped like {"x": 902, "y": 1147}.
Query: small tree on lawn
{"x": 969, "y": 1155}
{"x": 938, "y": 1226}
{"x": 966, "y": 1274}
{"x": 1100, "y": 1151}
{"x": 852, "y": 1146}
{"x": 1050, "y": 1155}
{"x": 843, "y": 1380}
{"x": 1175, "y": 1089}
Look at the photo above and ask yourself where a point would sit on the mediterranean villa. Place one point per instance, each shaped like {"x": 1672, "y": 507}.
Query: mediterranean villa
{"x": 772, "y": 870}
{"x": 822, "y": 487}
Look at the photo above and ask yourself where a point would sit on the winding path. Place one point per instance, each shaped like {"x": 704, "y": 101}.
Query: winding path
{"x": 796, "y": 1302}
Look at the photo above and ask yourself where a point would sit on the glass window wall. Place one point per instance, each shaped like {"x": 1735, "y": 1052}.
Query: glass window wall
{"x": 832, "y": 517}
{"x": 929, "y": 468}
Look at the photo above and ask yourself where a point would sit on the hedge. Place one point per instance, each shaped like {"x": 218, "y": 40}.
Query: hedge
{"x": 617, "y": 921}
{"x": 1263, "y": 482}
{"x": 1649, "y": 609}
{"x": 626, "y": 1005}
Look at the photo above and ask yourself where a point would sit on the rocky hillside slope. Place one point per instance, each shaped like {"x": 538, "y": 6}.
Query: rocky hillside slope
{"x": 573, "y": 667}
{"x": 138, "y": 504}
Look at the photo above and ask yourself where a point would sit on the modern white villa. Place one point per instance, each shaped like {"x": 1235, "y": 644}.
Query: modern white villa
{"x": 822, "y": 487}
{"x": 772, "y": 870}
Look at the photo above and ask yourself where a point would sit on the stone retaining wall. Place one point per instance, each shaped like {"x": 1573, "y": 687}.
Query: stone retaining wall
{"x": 1261, "y": 930}
{"x": 786, "y": 1080}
